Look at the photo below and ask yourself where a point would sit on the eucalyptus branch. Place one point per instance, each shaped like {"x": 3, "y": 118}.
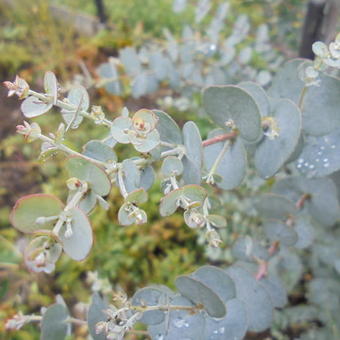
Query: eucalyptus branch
{"x": 165, "y": 308}
{"x": 67, "y": 106}
{"x": 69, "y": 151}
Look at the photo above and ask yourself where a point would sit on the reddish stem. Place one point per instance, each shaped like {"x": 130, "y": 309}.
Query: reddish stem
{"x": 262, "y": 270}
{"x": 274, "y": 248}
{"x": 301, "y": 201}
{"x": 220, "y": 138}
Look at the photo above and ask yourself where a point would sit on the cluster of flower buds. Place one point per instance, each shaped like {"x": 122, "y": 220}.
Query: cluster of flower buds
{"x": 41, "y": 254}
{"x": 97, "y": 114}
{"x": 17, "y": 321}
{"x": 328, "y": 55}
{"x": 120, "y": 318}
{"x": 325, "y": 56}
{"x": 30, "y": 131}
{"x": 19, "y": 87}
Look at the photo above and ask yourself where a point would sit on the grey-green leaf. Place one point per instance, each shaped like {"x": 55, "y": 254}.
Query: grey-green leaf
{"x": 171, "y": 166}
{"x": 200, "y": 293}
{"x": 322, "y": 205}
{"x": 169, "y": 203}
{"x": 108, "y": 72}
{"x": 100, "y": 151}
{"x": 168, "y": 128}
{"x": 257, "y": 301}
{"x": 320, "y": 156}
{"x": 192, "y": 161}
{"x": 232, "y": 327}
{"x": 51, "y": 85}
{"x": 232, "y": 103}
{"x": 89, "y": 172}
{"x": 96, "y": 314}
{"x": 279, "y": 231}
{"x": 53, "y": 324}
{"x": 259, "y": 95}
{"x": 33, "y": 107}
{"x": 323, "y": 98}
{"x": 79, "y": 244}
{"x": 275, "y": 206}
{"x": 232, "y": 167}
{"x": 179, "y": 324}
{"x": 274, "y": 151}
{"x": 217, "y": 280}
{"x": 152, "y": 296}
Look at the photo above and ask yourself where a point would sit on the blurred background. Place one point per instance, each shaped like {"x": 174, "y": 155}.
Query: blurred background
{"x": 72, "y": 38}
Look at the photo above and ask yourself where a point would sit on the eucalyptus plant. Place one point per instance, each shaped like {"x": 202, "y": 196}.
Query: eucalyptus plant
{"x": 203, "y": 55}
{"x": 289, "y": 134}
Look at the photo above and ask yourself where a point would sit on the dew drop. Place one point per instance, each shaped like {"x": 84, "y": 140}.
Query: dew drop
{"x": 306, "y": 164}
{"x": 317, "y": 160}
{"x": 326, "y": 165}
{"x": 322, "y": 148}
{"x": 221, "y": 330}
{"x": 299, "y": 166}
{"x": 319, "y": 153}
{"x": 160, "y": 337}
{"x": 300, "y": 160}
{"x": 311, "y": 166}
{"x": 325, "y": 160}
{"x": 215, "y": 331}
{"x": 333, "y": 146}
{"x": 179, "y": 323}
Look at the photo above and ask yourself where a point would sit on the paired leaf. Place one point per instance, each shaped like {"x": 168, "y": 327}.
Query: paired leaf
{"x": 89, "y": 172}
{"x": 168, "y": 129}
{"x": 232, "y": 167}
{"x": 79, "y": 98}
{"x": 258, "y": 304}
{"x": 233, "y": 104}
{"x": 100, "y": 151}
{"x": 28, "y": 208}
{"x": 79, "y": 244}
{"x": 272, "y": 152}
{"x": 199, "y": 293}
{"x": 33, "y": 107}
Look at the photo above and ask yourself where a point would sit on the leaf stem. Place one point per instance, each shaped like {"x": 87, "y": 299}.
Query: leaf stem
{"x": 121, "y": 183}
{"x": 302, "y": 97}
{"x": 70, "y": 205}
{"x": 67, "y": 106}
{"x": 69, "y": 151}
{"x": 210, "y": 176}
{"x": 220, "y": 138}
